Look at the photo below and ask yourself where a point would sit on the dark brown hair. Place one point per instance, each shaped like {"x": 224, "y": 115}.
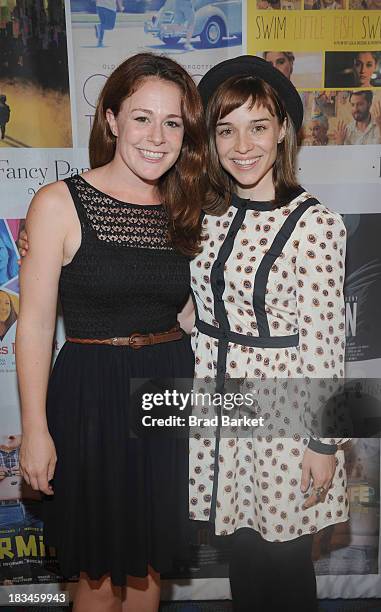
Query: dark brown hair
{"x": 232, "y": 94}
{"x": 182, "y": 186}
{"x": 368, "y": 95}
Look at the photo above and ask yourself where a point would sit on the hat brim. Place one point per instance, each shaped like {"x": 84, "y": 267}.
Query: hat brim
{"x": 250, "y": 65}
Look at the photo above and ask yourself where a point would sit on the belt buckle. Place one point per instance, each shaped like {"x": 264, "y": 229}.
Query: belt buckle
{"x": 114, "y": 341}
{"x": 132, "y": 339}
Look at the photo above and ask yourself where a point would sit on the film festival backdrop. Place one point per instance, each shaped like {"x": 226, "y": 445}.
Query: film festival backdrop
{"x": 53, "y": 62}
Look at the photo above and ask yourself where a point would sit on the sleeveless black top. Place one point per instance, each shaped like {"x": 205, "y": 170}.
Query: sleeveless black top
{"x": 125, "y": 276}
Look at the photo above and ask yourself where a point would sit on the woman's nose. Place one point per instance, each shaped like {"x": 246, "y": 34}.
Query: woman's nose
{"x": 157, "y": 134}
{"x": 243, "y": 143}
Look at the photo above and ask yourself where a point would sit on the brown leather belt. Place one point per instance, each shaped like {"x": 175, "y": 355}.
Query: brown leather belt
{"x": 136, "y": 340}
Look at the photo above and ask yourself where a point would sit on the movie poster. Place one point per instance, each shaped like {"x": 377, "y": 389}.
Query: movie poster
{"x": 363, "y": 287}
{"x": 34, "y": 78}
{"x": 24, "y": 559}
{"x": 197, "y": 34}
{"x": 352, "y": 548}
{"x": 333, "y": 60}
{"x": 9, "y": 292}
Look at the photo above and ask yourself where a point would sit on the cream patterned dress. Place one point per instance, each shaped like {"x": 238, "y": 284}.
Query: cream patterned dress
{"x": 268, "y": 291}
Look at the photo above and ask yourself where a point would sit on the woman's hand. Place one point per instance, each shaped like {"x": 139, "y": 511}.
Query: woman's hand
{"x": 38, "y": 461}
{"x": 22, "y": 243}
{"x": 320, "y": 469}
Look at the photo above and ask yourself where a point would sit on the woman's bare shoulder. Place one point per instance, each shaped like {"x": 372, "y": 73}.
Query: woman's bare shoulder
{"x": 53, "y": 199}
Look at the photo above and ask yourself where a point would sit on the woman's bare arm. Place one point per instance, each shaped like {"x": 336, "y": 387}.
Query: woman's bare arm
{"x": 47, "y": 225}
{"x": 186, "y": 317}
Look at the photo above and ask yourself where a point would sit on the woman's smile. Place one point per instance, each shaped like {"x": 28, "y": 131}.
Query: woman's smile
{"x": 247, "y": 163}
{"x": 151, "y": 156}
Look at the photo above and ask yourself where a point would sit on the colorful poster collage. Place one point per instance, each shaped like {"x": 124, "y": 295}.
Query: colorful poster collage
{"x": 55, "y": 57}
{"x": 334, "y": 63}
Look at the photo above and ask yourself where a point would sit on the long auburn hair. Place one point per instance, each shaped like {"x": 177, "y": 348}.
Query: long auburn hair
{"x": 182, "y": 186}
{"x": 232, "y": 94}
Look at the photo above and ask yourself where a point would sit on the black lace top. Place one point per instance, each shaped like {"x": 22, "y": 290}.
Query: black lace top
{"x": 125, "y": 276}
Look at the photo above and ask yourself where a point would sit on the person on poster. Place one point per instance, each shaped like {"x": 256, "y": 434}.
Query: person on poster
{"x": 365, "y": 127}
{"x": 8, "y": 257}
{"x": 106, "y": 10}
{"x": 5, "y": 114}
{"x": 346, "y": 69}
{"x": 13, "y": 511}
{"x": 118, "y": 503}
{"x": 365, "y": 66}
{"x": 370, "y": 5}
{"x": 326, "y": 5}
{"x": 185, "y": 13}
{"x": 266, "y": 237}
{"x": 265, "y": 5}
{"x": 290, "y": 5}
{"x": 8, "y": 314}
{"x": 282, "y": 60}
{"x": 318, "y": 127}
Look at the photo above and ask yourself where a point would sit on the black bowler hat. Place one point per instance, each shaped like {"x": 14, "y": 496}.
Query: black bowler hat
{"x": 250, "y": 65}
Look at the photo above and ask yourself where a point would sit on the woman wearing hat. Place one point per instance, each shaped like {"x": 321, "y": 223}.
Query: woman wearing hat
{"x": 268, "y": 292}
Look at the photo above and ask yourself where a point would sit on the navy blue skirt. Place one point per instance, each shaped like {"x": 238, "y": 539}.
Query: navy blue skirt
{"x": 120, "y": 502}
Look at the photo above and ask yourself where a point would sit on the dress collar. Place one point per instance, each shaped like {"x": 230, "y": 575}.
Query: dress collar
{"x": 261, "y": 205}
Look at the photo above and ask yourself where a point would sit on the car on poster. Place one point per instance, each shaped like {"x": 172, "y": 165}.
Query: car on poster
{"x": 214, "y": 22}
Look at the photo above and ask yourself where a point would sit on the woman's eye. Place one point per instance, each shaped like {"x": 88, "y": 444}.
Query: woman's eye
{"x": 258, "y": 129}
{"x": 172, "y": 124}
{"x": 141, "y": 119}
{"x": 224, "y": 132}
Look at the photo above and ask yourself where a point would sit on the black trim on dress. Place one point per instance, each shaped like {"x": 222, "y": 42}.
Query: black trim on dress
{"x": 321, "y": 447}
{"x": 217, "y": 283}
{"x": 275, "y": 250}
{"x": 270, "y": 342}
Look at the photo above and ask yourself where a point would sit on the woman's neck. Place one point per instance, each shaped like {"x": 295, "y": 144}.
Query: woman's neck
{"x": 261, "y": 191}
{"x": 118, "y": 181}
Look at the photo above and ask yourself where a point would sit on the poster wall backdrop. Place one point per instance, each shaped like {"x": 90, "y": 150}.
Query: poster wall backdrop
{"x": 54, "y": 58}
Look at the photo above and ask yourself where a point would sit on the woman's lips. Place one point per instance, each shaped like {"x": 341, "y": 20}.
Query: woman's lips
{"x": 246, "y": 164}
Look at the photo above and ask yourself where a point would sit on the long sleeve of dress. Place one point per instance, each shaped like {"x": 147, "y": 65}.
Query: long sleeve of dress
{"x": 320, "y": 271}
